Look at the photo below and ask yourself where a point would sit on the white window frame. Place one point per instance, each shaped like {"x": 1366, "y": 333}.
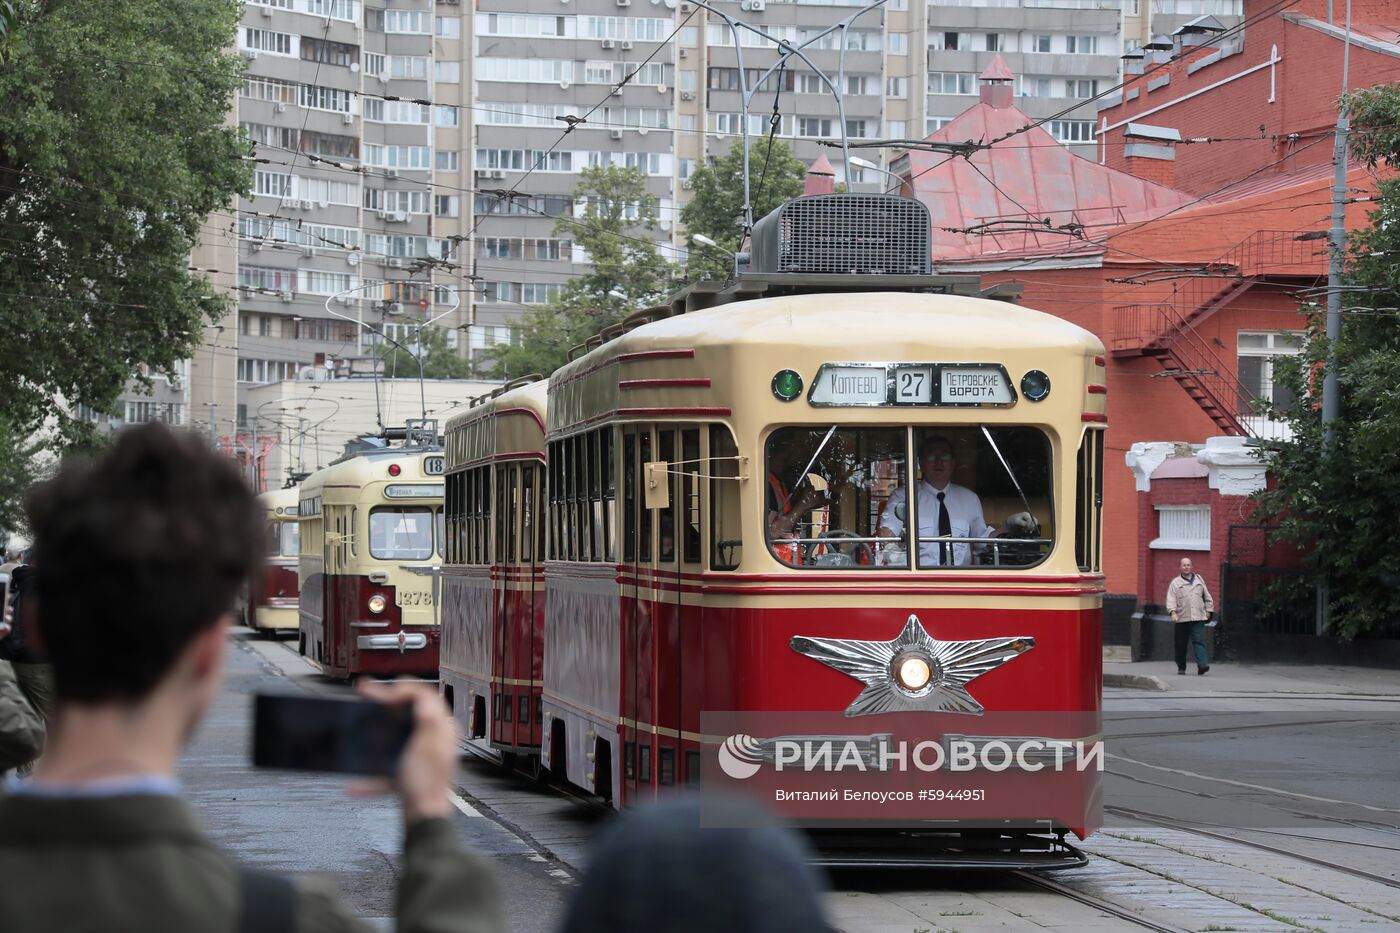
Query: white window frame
{"x": 1182, "y": 528}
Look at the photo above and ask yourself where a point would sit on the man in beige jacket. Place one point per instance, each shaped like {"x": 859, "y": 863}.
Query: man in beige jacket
{"x": 1190, "y": 605}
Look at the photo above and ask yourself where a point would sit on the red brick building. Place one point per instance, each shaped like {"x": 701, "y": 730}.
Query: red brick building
{"x": 1188, "y": 258}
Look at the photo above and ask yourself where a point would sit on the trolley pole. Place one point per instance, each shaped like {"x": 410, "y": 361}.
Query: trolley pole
{"x": 1337, "y": 244}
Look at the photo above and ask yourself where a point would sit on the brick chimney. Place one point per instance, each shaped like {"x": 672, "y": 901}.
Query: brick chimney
{"x": 996, "y": 84}
{"x": 1150, "y": 152}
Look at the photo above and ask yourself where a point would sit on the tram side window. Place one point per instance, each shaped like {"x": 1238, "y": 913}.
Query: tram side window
{"x": 401, "y": 533}
{"x": 690, "y": 495}
{"x": 502, "y": 514}
{"x": 595, "y": 495}
{"x": 629, "y": 498}
{"x": 824, "y": 492}
{"x": 513, "y": 512}
{"x": 666, "y": 451}
{"x": 1088, "y": 506}
{"x": 726, "y": 543}
{"x": 644, "y": 517}
{"x": 451, "y": 497}
{"x": 527, "y": 514}
{"x": 609, "y": 468}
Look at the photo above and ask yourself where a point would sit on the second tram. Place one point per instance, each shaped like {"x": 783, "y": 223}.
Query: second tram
{"x": 371, "y": 532}
{"x": 272, "y": 599}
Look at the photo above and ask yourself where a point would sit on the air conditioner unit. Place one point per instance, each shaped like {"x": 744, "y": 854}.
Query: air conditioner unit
{"x": 345, "y": 299}
{"x": 615, "y": 134}
{"x": 383, "y": 76}
{"x": 391, "y": 173}
{"x": 687, "y": 184}
{"x": 393, "y": 308}
{"x": 285, "y": 296}
{"x": 687, "y": 95}
{"x": 608, "y": 43}
{"x": 382, "y": 215}
{"x": 281, "y": 106}
{"x": 267, "y": 12}
{"x": 347, "y": 118}
{"x": 250, "y": 54}
{"x": 686, "y": 7}
{"x": 394, "y": 263}
{"x": 352, "y": 259}
{"x": 682, "y": 53}
{"x": 564, "y": 85}
{"x": 323, "y": 204}
{"x": 624, "y": 2}
{"x": 496, "y": 173}
{"x": 756, "y": 6}
{"x": 307, "y": 205}
{"x": 661, "y": 89}
{"x": 256, "y": 247}
{"x": 308, "y": 251}
{"x": 616, "y": 92}
{"x": 399, "y": 217}
{"x": 627, "y": 44}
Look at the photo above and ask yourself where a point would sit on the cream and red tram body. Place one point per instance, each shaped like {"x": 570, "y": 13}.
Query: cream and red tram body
{"x": 493, "y": 571}
{"x": 371, "y": 533}
{"x": 272, "y": 599}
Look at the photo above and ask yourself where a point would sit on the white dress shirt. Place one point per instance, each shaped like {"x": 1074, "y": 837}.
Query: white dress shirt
{"x": 964, "y": 513}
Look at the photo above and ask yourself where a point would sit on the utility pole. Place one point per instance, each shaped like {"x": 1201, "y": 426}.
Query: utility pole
{"x": 1337, "y": 243}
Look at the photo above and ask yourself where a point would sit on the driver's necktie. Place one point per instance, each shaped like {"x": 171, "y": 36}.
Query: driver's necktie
{"x": 945, "y": 530}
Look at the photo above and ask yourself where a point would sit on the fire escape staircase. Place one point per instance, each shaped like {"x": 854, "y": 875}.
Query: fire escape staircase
{"x": 1168, "y": 332}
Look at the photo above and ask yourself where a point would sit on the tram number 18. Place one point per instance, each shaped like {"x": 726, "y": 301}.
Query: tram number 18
{"x": 913, "y": 385}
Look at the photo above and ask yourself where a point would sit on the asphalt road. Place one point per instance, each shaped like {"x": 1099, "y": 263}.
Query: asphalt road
{"x": 1309, "y": 775}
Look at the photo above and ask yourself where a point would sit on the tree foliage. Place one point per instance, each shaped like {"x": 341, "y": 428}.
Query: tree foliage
{"x": 627, "y": 272}
{"x": 113, "y": 151}
{"x": 1341, "y": 502}
{"x": 430, "y": 344}
{"x": 716, "y": 207}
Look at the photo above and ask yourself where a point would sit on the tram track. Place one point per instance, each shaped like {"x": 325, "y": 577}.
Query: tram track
{"x": 1177, "y": 823}
{"x": 1032, "y": 879}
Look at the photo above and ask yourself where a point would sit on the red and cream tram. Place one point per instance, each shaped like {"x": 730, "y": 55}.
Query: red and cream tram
{"x": 272, "y": 600}
{"x": 371, "y": 534}
{"x": 735, "y": 560}
{"x": 493, "y": 572}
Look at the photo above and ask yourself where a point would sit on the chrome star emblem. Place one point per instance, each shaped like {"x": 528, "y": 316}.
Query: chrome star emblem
{"x": 915, "y": 672}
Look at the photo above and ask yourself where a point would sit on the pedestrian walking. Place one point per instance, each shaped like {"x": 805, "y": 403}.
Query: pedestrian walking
{"x": 141, "y": 555}
{"x": 19, "y": 646}
{"x": 21, "y": 729}
{"x": 1191, "y": 606}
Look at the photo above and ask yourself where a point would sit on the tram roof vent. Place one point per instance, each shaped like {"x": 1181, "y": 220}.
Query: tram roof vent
{"x": 861, "y": 234}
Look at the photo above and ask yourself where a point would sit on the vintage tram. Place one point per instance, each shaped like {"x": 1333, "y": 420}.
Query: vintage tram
{"x": 271, "y": 604}
{"x": 493, "y": 570}
{"x": 836, "y": 497}
{"x": 371, "y": 535}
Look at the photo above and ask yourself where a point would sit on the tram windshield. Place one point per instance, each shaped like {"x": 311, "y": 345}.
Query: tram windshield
{"x": 838, "y": 497}
{"x": 401, "y": 533}
{"x": 283, "y": 539}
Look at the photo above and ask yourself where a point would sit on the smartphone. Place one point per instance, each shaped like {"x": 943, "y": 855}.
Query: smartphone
{"x": 301, "y": 733}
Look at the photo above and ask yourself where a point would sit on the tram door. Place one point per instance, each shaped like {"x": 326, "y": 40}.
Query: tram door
{"x": 666, "y": 609}
{"x": 638, "y": 747}
{"x": 529, "y": 711}
{"x": 511, "y": 663}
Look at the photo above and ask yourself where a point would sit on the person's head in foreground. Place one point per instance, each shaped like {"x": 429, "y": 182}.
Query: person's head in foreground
{"x": 683, "y": 865}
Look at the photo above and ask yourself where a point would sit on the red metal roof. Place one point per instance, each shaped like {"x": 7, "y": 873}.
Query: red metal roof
{"x": 1030, "y": 176}
{"x": 821, "y": 177}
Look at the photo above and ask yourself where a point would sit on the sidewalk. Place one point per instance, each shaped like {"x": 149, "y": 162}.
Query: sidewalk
{"x": 1227, "y": 677}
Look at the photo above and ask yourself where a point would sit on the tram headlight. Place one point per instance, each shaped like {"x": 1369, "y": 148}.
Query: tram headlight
{"x": 1035, "y": 385}
{"x": 787, "y": 385}
{"x": 377, "y": 603}
{"x": 913, "y": 671}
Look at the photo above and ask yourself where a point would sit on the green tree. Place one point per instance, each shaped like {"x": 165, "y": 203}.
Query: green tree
{"x": 113, "y": 151}
{"x": 9, "y": 19}
{"x": 627, "y": 272}
{"x": 439, "y": 360}
{"x": 717, "y": 203}
{"x": 1340, "y": 503}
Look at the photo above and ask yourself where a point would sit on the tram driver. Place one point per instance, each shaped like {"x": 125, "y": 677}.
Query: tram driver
{"x": 946, "y": 510}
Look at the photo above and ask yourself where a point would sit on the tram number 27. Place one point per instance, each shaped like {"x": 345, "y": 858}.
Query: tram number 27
{"x": 913, "y": 384}
{"x": 415, "y": 599}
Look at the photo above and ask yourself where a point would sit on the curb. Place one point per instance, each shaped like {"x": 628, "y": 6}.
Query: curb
{"x": 1135, "y": 681}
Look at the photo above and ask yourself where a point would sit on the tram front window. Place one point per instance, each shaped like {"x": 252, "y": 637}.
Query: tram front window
{"x": 825, "y": 488}
{"x": 283, "y": 539}
{"x": 401, "y": 533}
{"x": 839, "y": 497}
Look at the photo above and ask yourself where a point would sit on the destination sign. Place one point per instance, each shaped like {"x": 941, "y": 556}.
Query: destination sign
{"x": 851, "y": 385}
{"x": 432, "y": 466}
{"x": 910, "y": 384}
{"x": 974, "y": 385}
